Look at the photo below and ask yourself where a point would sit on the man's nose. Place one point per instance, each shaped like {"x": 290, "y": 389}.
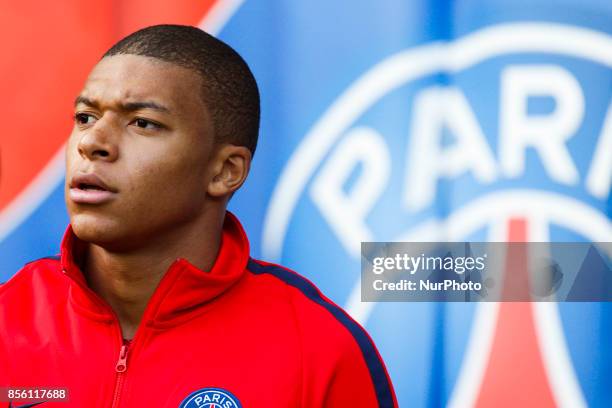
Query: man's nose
{"x": 100, "y": 142}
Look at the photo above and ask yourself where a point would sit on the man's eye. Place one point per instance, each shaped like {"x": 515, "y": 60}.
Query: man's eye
{"x": 84, "y": 118}
{"x": 146, "y": 124}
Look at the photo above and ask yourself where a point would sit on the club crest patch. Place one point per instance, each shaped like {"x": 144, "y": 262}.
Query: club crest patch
{"x": 210, "y": 398}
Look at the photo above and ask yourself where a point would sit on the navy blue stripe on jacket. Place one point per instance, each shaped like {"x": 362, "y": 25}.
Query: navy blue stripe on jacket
{"x": 52, "y": 257}
{"x": 382, "y": 386}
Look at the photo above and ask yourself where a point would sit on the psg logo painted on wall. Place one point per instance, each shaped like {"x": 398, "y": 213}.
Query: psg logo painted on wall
{"x": 211, "y": 398}
{"x": 463, "y": 158}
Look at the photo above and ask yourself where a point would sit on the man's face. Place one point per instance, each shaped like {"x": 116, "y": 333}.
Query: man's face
{"x": 137, "y": 158}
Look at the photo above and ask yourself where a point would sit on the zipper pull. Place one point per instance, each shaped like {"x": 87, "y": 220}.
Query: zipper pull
{"x": 122, "y": 362}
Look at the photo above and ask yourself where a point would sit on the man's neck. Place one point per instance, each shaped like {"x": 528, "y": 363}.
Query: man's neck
{"x": 127, "y": 280}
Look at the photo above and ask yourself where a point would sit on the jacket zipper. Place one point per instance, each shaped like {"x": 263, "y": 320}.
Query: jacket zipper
{"x": 120, "y": 368}
{"x": 121, "y": 365}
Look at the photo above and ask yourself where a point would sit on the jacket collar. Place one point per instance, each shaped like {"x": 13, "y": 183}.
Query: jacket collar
{"x": 182, "y": 290}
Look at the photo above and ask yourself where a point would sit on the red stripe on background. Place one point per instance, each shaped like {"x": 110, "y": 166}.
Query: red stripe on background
{"x": 515, "y": 375}
{"x": 48, "y": 50}
{"x": 136, "y": 14}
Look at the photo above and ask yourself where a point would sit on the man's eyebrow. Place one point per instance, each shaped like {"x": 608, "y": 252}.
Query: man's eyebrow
{"x": 128, "y": 107}
{"x": 85, "y": 101}
{"x": 133, "y": 106}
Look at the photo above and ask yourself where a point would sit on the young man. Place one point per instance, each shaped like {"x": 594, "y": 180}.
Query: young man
{"x": 154, "y": 301}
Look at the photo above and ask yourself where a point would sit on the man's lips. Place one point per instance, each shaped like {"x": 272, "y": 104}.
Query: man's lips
{"x": 90, "y": 189}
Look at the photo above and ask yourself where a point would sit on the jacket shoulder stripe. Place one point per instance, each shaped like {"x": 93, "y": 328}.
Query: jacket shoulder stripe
{"x": 52, "y": 257}
{"x": 378, "y": 373}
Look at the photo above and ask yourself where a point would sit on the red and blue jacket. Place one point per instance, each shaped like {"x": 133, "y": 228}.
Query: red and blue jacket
{"x": 244, "y": 334}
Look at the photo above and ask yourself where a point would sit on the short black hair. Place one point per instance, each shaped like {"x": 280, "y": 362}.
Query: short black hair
{"x": 229, "y": 88}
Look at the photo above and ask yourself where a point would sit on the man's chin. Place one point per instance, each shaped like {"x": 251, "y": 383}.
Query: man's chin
{"x": 111, "y": 234}
{"x": 97, "y": 230}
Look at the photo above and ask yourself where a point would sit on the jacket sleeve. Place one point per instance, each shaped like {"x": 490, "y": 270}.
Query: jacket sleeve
{"x": 341, "y": 365}
{"x": 360, "y": 378}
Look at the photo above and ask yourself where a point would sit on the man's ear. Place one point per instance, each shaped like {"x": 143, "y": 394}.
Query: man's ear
{"x": 230, "y": 167}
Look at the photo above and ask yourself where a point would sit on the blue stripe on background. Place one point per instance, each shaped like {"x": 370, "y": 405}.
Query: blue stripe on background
{"x": 382, "y": 386}
{"x": 40, "y": 234}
